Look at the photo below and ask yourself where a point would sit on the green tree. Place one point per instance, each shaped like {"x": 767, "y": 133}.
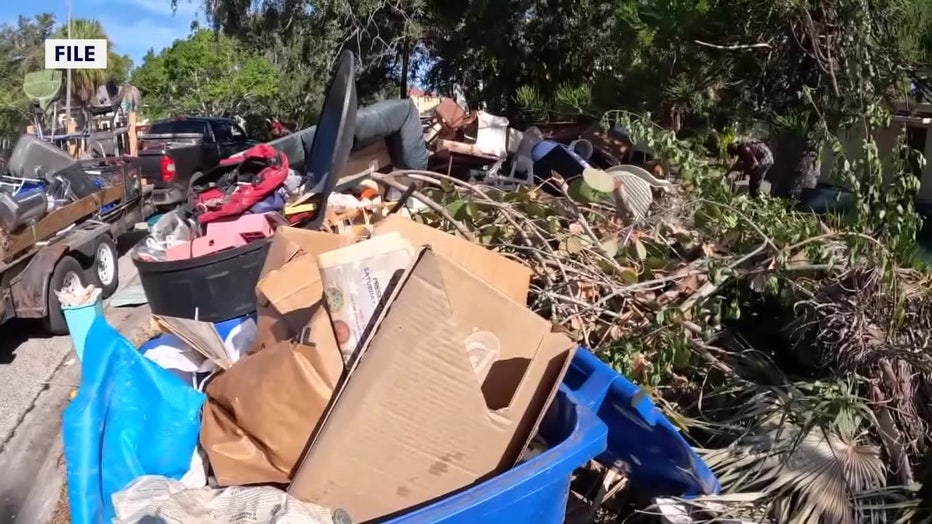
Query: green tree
{"x": 303, "y": 38}
{"x": 84, "y": 82}
{"x": 22, "y": 45}
{"x": 207, "y": 74}
{"x": 119, "y": 67}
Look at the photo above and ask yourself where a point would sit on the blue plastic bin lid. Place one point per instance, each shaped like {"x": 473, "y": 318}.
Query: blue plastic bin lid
{"x": 655, "y": 455}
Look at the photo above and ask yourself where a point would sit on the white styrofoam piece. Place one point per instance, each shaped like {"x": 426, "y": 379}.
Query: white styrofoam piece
{"x": 492, "y": 134}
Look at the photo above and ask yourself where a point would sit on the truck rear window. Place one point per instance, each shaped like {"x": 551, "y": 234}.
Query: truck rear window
{"x": 178, "y": 127}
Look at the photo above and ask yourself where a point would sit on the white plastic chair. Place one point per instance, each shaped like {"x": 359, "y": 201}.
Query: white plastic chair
{"x": 638, "y": 196}
{"x": 521, "y": 162}
{"x": 643, "y": 174}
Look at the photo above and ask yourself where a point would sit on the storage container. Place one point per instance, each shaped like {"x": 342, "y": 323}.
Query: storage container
{"x": 215, "y": 287}
{"x": 597, "y": 414}
{"x": 36, "y": 159}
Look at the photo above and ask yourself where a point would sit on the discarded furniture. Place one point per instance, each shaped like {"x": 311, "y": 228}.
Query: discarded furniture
{"x": 42, "y": 88}
{"x": 644, "y": 175}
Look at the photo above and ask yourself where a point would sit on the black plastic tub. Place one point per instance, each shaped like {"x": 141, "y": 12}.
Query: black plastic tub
{"x": 215, "y": 288}
{"x": 825, "y": 198}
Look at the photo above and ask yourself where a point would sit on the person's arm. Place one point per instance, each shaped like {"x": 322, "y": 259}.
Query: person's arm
{"x": 738, "y": 165}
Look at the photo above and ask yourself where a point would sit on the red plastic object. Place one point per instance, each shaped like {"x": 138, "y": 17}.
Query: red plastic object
{"x": 269, "y": 178}
{"x": 168, "y": 169}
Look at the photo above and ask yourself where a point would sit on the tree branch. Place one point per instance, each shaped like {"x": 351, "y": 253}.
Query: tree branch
{"x": 736, "y": 47}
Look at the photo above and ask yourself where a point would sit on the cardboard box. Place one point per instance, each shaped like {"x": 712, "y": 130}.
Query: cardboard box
{"x": 261, "y": 413}
{"x": 413, "y": 422}
{"x": 289, "y": 293}
{"x": 508, "y": 276}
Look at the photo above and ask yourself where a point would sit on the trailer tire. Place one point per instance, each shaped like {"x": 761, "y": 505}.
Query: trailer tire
{"x": 105, "y": 270}
{"x": 65, "y": 272}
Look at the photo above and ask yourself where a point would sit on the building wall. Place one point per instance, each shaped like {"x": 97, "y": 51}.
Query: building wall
{"x": 886, "y": 142}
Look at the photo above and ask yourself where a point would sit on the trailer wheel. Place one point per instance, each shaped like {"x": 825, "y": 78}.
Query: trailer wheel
{"x": 68, "y": 273}
{"x": 105, "y": 270}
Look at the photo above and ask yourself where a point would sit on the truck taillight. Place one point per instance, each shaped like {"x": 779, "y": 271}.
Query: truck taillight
{"x": 168, "y": 169}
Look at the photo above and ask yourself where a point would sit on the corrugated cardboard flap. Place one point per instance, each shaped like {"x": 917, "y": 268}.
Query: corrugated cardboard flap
{"x": 412, "y": 422}
{"x": 283, "y": 281}
{"x": 508, "y": 276}
{"x": 261, "y": 412}
{"x": 289, "y": 294}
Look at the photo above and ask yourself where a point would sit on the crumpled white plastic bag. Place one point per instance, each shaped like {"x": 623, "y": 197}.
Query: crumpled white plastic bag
{"x": 160, "y": 499}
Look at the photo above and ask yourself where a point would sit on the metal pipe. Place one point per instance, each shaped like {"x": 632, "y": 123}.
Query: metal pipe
{"x": 68, "y": 81}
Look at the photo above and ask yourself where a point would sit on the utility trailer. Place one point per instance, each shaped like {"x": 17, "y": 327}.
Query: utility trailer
{"x": 72, "y": 246}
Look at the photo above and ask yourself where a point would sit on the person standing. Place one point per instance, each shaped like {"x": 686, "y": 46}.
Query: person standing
{"x": 753, "y": 159}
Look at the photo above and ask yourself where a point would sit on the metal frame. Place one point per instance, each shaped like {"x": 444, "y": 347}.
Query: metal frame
{"x": 29, "y": 289}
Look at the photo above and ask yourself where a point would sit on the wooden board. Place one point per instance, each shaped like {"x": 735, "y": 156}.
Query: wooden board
{"x": 58, "y": 220}
{"x": 370, "y": 157}
{"x": 463, "y": 149}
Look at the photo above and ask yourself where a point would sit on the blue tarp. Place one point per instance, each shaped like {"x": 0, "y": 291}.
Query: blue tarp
{"x": 130, "y": 418}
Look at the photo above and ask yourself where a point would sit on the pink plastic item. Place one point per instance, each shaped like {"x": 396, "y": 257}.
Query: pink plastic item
{"x": 250, "y": 227}
{"x": 179, "y": 252}
{"x": 223, "y": 235}
{"x": 206, "y": 245}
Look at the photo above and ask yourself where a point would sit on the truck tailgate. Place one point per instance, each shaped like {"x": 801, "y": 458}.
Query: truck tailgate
{"x": 153, "y": 147}
{"x": 150, "y": 167}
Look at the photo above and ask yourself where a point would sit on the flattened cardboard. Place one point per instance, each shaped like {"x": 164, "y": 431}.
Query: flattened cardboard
{"x": 508, "y": 276}
{"x": 261, "y": 412}
{"x": 289, "y": 293}
{"x": 411, "y": 423}
{"x": 201, "y": 336}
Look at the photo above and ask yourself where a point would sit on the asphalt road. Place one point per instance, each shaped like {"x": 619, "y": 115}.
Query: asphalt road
{"x": 38, "y": 372}
{"x": 29, "y": 357}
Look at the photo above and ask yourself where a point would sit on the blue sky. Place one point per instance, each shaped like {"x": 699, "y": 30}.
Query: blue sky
{"x": 134, "y": 26}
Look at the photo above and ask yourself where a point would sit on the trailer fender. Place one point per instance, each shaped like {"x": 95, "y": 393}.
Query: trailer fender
{"x": 30, "y": 289}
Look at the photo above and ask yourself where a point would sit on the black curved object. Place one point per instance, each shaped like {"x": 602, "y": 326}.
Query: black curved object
{"x": 825, "y": 198}
{"x": 333, "y": 139}
{"x": 219, "y": 286}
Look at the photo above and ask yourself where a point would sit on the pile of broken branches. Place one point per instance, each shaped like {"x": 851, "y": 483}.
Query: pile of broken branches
{"x": 654, "y": 299}
{"x": 623, "y": 289}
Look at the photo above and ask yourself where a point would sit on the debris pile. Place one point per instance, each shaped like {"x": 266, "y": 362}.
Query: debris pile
{"x": 427, "y": 337}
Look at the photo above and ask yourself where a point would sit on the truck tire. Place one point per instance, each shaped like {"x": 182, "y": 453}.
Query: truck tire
{"x": 68, "y": 272}
{"x": 105, "y": 270}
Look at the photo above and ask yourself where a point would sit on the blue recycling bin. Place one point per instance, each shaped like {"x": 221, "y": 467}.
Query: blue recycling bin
{"x": 597, "y": 414}
{"x": 659, "y": 462}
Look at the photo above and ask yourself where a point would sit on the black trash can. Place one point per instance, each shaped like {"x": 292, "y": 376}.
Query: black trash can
{"x": 218, "y": 287}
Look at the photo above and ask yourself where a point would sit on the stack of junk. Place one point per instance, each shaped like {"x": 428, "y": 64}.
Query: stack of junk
{"x": 311, "y": 367}
{"x": 40, "y": 179}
